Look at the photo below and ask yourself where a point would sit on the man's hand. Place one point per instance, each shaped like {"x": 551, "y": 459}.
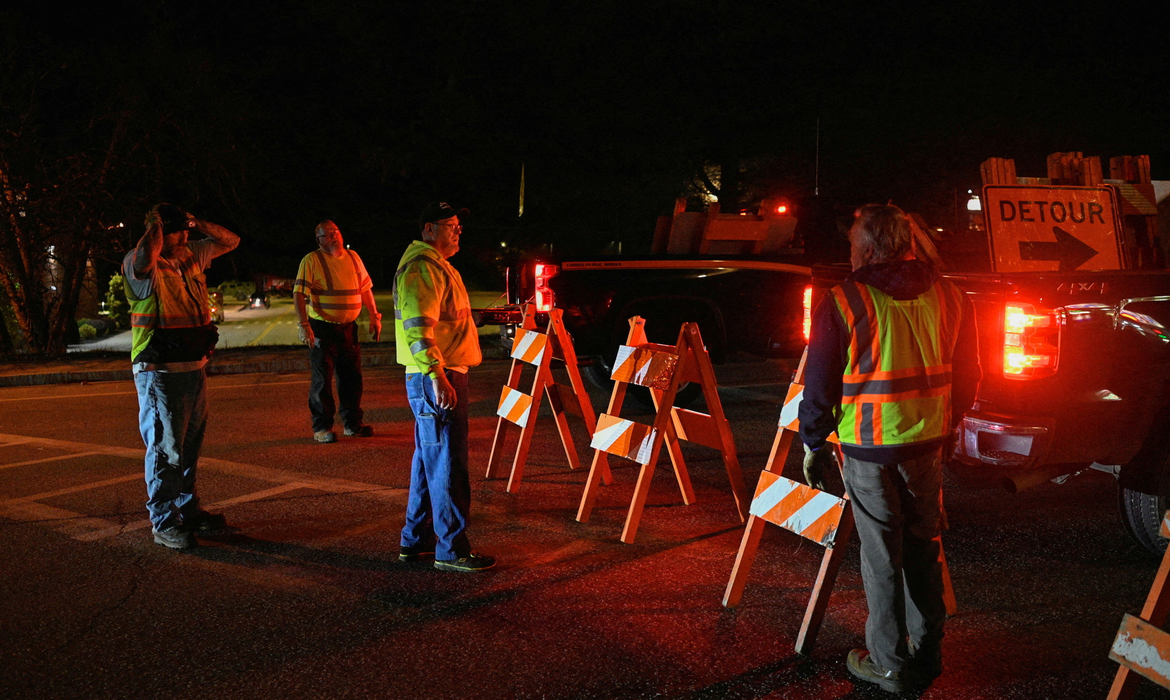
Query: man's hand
{"x": 444, "y": 392}
{"x": 815, "y": 462}
{"x": 306, "y": 334}
{"x": 376, "y": 326}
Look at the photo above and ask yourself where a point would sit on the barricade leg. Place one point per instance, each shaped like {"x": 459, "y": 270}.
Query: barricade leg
{"x": 558, "y": 409}
{"x": 826, "y": 577}
{"x": 1154, "y": 612}
{"x": 743, "y": 561}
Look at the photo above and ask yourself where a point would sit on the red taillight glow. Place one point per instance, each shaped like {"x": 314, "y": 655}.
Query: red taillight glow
{"x": 543, "y": 296}
{"x": 782, "y": 209}
{"x": 1031, "y": 342}
{"x": 806, "y": 324}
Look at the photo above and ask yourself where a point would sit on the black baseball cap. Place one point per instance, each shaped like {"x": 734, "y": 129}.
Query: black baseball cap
{"x": 437, "y": 211}
{"x": 173, "y": 218}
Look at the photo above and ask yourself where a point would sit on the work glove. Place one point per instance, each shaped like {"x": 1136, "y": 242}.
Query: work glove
{"x": 815, "y": 462}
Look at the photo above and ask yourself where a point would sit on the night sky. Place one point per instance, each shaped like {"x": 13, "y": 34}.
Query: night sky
{"x": 267, "y": 117}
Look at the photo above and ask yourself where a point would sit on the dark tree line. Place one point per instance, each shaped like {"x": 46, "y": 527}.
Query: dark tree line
{"x": 267, "y": 117}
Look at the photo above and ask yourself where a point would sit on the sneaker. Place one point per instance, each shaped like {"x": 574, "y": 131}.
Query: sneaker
{"x": 325, "y": 436}
{"x": 471, "y": 562}
{"x": 204, "y": 523}
{"x": 862, "y": 666}
{"x": 417, "y": 552}
{"x": 174, "y": 537}
{"x": 360, "y": 431}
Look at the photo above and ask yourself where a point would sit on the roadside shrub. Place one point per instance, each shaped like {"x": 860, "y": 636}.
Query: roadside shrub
{"x": 86, "y": 331}
{"x": 116, "y": 304}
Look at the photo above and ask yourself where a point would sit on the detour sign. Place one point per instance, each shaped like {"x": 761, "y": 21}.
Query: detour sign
{"x": 1048, "y": 229}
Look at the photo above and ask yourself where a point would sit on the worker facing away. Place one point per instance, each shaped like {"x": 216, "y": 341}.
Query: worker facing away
{"x": 892, "y": 367}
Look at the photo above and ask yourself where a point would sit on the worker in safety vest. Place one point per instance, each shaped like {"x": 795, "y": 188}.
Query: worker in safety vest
{"x": 437, "y": 343}
{"x": 331, "y": 287}
{"x": 892, "y": 366}
{"x": 172, "y": 338}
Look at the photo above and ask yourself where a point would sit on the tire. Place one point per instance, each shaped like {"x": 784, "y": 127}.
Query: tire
{"x": 1142, "y": 514}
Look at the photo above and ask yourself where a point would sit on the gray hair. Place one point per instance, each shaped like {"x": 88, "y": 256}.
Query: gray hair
{"x": 884, "y": 230}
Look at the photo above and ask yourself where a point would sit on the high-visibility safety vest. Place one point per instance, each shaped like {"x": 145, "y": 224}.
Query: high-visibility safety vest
{"x": 179, "y": 300}
{"x": 433, "y": 326}
{"x": 334, "y": 285}
{"x": 897, "y": 381}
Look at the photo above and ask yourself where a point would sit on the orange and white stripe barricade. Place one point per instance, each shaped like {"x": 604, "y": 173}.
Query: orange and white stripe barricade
{"x": 662, "y": 369}
{"x": 1141, "y": 647}
{"x": 532, "y": 347}
{"x": 815, "y": 515}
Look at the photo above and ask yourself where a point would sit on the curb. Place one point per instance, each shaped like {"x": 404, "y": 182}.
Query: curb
{"x": 296, "y": 360}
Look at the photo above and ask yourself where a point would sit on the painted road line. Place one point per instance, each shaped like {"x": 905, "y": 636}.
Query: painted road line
{"x": 133, "y": 393}
{"x": 72, "y": 489}
{"x": 47, "y": 459}
{"x": 271, "y": 325}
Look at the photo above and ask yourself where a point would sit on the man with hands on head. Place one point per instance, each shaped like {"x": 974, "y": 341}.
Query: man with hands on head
{"x": 172, "y": 338}
{"x": 437, "y": 343}
{"x": 331, "y": 287}
{"x": 892, "y": 367}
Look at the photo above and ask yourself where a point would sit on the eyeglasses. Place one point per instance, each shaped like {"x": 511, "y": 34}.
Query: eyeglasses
{"x": 457, "y": 226}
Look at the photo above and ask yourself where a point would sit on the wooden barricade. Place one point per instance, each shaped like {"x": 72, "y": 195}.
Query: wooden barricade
{"x": 1141, "y": 647}
{"x": 517, "y": 408}
{"x": 661, "y": 368}
{"x": 816, "y": 515}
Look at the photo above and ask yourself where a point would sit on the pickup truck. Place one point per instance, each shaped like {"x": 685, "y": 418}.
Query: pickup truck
{"x": 740, "y": 276}
{"x": 1074, "y": 341}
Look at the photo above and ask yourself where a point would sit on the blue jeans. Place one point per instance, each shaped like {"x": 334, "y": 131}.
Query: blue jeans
{"x": 896, "y": 508}
{"x": 172, "y": 417}
{"x": 440, "y": 488}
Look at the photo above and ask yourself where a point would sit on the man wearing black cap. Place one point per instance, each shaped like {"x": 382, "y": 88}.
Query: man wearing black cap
{"x": 437, "y": 343}
{"x": 172, "y": 339}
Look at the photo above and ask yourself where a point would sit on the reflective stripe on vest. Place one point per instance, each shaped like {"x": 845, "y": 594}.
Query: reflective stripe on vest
{"x": 897, "y": 381}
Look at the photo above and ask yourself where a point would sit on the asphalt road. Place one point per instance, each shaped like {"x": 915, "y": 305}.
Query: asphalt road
{"x": 306, "y": 599}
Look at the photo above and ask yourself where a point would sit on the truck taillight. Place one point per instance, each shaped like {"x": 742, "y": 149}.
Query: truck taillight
{"x": 806, "y": 324}
{"x": 543, "y": 295}
{"x": 1031, "y": 342}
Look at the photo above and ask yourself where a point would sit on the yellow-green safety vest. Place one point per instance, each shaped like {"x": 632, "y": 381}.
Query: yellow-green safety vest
{"x": 179, "y": 300}
{"x": 897, "y": 381}
{"x": 433, "y": 325}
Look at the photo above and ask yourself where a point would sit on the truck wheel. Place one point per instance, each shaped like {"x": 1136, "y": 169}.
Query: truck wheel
{"x": 1142, "y": 514}
{"x": 598, "y": 375}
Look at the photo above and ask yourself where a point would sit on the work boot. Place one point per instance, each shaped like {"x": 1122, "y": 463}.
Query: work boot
{"x": 862, "y": 666}
{"x": 360, "y": 431}
{"x": 325, "y": 436}
{"x": 174, "y": 537}
{"x": 471, "y": 562}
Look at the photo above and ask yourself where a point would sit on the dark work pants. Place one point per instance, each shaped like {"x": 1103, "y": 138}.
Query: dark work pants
{"x": 337, "y": 351}
{"x": 897, "y": 507}
{"x": 439, "y": 502}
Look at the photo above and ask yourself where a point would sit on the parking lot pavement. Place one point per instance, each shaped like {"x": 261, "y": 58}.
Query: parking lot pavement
{"x": 305, "y": 598}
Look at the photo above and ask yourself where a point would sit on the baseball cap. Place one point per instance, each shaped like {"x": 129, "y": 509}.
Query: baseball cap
{"x": 173, "y": 218}
{"x": 437, "y": 211}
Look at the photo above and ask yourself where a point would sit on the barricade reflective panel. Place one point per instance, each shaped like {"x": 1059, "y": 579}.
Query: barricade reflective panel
{"x": 514, "y": 406}
{"x": 529, "y": 346}
{"x": 1141, "y": 647}
{"x": 643, "y": 367}
{"x": 624, "y": 438}
{"x": 810, "y": 513}
{"x": 790, "y": 413}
